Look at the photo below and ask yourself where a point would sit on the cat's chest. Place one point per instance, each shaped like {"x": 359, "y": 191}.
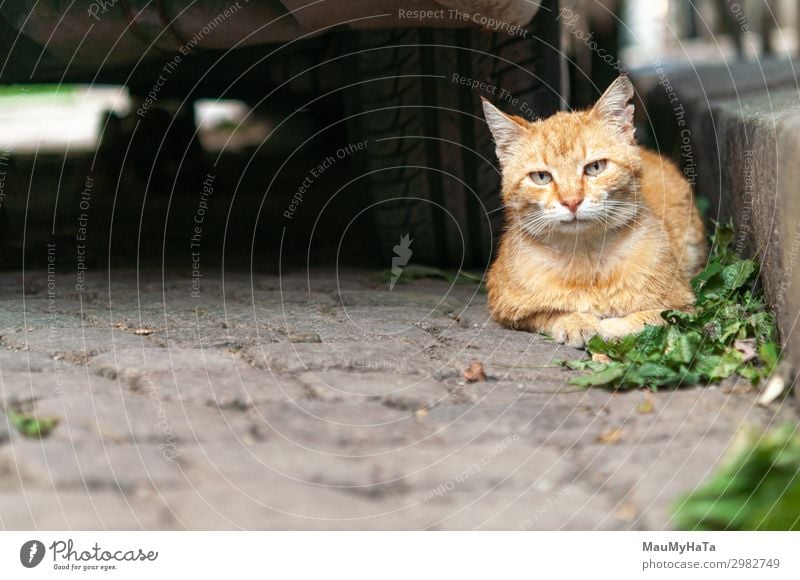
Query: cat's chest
{"x": 603, "y": 282}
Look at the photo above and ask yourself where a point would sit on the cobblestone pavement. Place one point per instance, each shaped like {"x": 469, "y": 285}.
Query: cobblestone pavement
{"x": 325, "y": 402}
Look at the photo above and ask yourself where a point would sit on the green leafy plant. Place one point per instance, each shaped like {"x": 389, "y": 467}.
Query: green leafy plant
{"x": 729, "y": 332}
{"x": 32, "y": 426}
{"x": 756, "y": 488}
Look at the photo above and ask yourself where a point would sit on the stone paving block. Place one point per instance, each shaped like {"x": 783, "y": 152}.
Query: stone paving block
{"x": 370, "y": 476}
{"x": 57, "y": 465}
{"x": 522, "y": 352}
{"x": 32, "y": 318}
{"x": 559, "y": 421}
{"x": 152, "y": 316}
{"x": 526, "y": 369}
{"x": 74, "y": 344}
{"x": 27, "y": 361}
{"x": 173, "y": 326}
{"x": 358, "y": 323}
{"x": 272, "y": 324}
{"x": 571, "y": 506}
{"x": 276, "y": 299}
{"x": 506, "y": 356}
{"x": 209, "y": 338}
{"x": 405, "y": 392}
{"x": 447, "y": 489}
{"x": 21, "y": 387}
{"x": 331, "y": 330}
{"x": 474, "y": 314}
{"x": 356, "y": 356}
{"x": 690, "y": 413}
{"x": 645, "y": 479}
{"x": 238, "y": 386}
{"x": 267, "y": 504}
{"x": 140, "y": 419}
{"x": 504, "y": 393}
{"x": 438, "y": 303}
{"x": 5, "y": 436}
{"x": 73, "y": 510}
{"x": 340, "y": 427}
{"x": 508, "y": 485}
{"x": 131, "y": 363}
{"x": 403, "y": 324}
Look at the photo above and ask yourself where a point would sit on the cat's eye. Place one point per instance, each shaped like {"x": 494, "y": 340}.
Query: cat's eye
{"x": 541, "y": 177}
{"x": 595, "y": 167}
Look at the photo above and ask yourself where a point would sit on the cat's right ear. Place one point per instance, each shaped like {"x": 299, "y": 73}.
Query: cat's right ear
{"x": 613, "y": 107}
{"x": 505, "y": 129}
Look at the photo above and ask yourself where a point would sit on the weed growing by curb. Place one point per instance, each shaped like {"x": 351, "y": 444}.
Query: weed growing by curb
{"x": 729, "y": 332}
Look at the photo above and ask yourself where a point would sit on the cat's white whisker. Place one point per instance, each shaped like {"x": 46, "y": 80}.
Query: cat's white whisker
{"x": 617, "y": 219}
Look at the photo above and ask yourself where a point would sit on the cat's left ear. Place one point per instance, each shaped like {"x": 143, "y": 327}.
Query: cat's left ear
{"x": 506, "y": 129}
{"x": 614, "y": 108}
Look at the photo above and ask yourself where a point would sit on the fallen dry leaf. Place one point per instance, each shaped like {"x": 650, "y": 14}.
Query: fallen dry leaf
{"x": 601, "y": 358}
{"x": 475, "y": 372}
{"x": 747, "y": 347}
{"x": 646, "y": 406}
{"x": 611, "y": 436}
{"x": 626, "y": 511}
{"x": 773, "y": 389}
{"x": 776, "y": 384}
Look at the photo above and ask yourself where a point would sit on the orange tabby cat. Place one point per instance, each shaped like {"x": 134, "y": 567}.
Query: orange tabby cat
{"x": 602, "y": 235}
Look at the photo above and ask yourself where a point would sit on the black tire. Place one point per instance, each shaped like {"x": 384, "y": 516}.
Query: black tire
{"x": 431, "y": 169}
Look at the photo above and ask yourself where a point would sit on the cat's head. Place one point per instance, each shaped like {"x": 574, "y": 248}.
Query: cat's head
{"x": 572, "y": 172}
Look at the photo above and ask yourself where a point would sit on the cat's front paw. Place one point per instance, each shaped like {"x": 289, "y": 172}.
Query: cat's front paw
{"x": 610, "y": 328}
{"x": 575, "y": 329}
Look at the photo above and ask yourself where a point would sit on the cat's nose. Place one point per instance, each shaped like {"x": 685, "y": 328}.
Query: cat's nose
{"x": 572, "y": 203}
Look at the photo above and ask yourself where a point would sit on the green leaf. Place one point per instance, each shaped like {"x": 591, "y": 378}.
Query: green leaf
{"x": 584, "y": 364}
{"x": 710, "y": 271}
{"x": 31, "y": 426}
{"x": 681, "y": 347}
{"x": 678, "y": 316}
{"x": 604, "y": 377}
{"x": 598, "y": 344}
{"x": 721, "y": 239}
{"x": 463, "y": 276}
{"x": 613, "y": 348}
{"x": 717, "y": 367}
{"x": 729, "y": 362}
{"x": 703, "y": 204}
{"x": 769, "y": 353}
{"x": 750, "y": 373}
{"x": 756, "y": 488}
{"x": 738, "y": 274}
